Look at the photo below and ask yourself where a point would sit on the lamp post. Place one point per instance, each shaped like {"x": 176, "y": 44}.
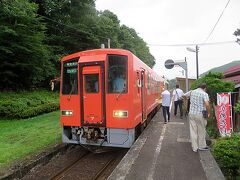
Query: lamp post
{"x": 196, "y": 51}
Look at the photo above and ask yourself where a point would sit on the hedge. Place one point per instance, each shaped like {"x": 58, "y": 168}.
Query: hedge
{"x": 227, "y": 153}
{"x": 19, "y": 105}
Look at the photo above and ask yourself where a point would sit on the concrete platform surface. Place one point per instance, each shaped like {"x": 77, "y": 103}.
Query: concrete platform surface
{"x": 163, "y": 151}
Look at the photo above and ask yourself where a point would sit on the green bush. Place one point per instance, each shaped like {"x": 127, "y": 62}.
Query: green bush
{"x": 212, "y": 132}
{"x": 212, "y": 129}
{"x": 227, "y": 153}
{"x": 237, "y": 107}
{"x": 27, "y": 104}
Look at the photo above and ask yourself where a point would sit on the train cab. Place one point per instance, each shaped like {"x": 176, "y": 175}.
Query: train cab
{"x": 102, "y": 97}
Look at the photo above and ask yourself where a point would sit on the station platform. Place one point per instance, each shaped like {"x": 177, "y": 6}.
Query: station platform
{"x": 163, "y": 151}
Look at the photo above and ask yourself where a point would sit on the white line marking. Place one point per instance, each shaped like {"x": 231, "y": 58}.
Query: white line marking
{"x": 175, "y": 123}
{"x": 156, "y": 154}
{"x": 180, "y": 123}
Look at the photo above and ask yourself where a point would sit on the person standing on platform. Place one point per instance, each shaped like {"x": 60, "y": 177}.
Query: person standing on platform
{"x": 166, "y": 100}
{"x": 178, "y": 101}
{"x": 199, "y": 111}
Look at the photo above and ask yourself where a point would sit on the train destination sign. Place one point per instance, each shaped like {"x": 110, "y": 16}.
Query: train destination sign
{"x": 72, "y": 70}
{"x": 70, "y": 64}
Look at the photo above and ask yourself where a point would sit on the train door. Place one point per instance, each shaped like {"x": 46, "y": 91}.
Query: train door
{"x": 143, "y": 96}
{"x": 92, "y": 92}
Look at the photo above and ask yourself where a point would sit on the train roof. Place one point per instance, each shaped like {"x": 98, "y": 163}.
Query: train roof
{"x": 94, "y": 52}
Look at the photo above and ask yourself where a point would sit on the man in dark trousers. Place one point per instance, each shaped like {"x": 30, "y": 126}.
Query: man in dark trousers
{"x": 166, "y": 101}
{"x": 178, "y": 101}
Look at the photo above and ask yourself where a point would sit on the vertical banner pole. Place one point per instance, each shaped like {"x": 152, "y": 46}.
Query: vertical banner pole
{"x": 231, "y": 112}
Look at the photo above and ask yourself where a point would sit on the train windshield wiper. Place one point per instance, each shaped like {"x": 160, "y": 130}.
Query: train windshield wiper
{"x": 123, "y": 90}
{"x": 73, "y": 87}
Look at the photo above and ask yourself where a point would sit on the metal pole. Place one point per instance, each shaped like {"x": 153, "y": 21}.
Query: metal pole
{"x": 186, "y": 70}
{"x": 197, "y": 60}
{"x": 231, "y": 113}
{"x": 108, "y": 42}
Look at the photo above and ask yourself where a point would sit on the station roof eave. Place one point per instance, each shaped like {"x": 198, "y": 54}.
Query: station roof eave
{"x": 232, "y": 71}
{"x": 235, "y": 79}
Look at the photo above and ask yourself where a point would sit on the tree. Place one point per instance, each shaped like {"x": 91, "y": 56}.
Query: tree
{"x": 237, "y": 34}
{"x": 24, "y": 56}
{"x": 130, "y": 40}
{"x": 108, "y": 27}
{"x": 215, "y": 84}
{"x": 36, "y": 34}
{"x": 172, "y": 84}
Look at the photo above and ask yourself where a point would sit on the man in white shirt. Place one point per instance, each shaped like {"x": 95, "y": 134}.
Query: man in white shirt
{"x": 166, "y": 100}
{"x": 177, "y": 97}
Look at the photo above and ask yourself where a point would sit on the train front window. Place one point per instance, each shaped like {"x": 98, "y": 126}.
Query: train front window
{"x": 70, "y": 76}
{"x": 91, "y": 82}
{"x": 117, "y": 74}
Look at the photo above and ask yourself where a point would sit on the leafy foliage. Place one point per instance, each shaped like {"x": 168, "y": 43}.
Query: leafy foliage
{"x": 215, "y": 84}
{"x": 35, "y": 34}
{"x": 212, "y": 129}
{"x": 237, "y": 34}
{"x": 27, "y": 104}
{"x": 227, "y": 153}
{"x": 24, "y": 56}
{"x": 237, "y": 108}
{"x": 172, "y": 83}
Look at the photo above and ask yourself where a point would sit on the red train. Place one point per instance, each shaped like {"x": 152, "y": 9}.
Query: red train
{"x": 106, "y": 97}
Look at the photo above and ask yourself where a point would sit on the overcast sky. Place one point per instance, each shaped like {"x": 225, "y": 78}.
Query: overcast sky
{"x": 168, "y": 22}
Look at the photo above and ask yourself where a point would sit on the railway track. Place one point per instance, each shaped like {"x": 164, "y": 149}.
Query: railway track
{"x": 67, "y": 169}
{"x": 91, "y": 166}
{"x": 101, "y": 173}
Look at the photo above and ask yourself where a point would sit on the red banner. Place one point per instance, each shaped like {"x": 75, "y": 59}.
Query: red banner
{"x": 223, "y": 114}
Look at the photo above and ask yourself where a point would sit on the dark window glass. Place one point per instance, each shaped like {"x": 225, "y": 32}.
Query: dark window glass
{"x": 91, "y": 82}
{"x": 70, "y": 76}
{"x": 117, "y": 74}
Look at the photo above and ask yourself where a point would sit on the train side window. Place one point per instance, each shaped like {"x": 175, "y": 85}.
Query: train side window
{"x": 148, "y": 83}
{"x": 70, "y": 76}
{"x": 117, "y": 74}
{"x": 91, "y": 82}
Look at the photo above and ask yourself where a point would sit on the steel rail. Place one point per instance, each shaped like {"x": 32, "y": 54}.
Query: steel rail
{"x": 66, "y": 170}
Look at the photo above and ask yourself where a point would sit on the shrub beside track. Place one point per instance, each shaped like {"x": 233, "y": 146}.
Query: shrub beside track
{"x": 21, "y": 105}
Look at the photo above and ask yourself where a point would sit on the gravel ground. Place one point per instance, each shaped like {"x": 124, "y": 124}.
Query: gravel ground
{"x": 85, "y": 169}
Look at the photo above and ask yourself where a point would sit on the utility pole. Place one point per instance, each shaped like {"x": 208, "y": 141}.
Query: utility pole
{"x": 185, "y": 67}
{"x": 197, "y": 49}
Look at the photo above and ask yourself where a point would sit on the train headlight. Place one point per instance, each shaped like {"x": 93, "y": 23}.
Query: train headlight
{"x": 67, "y": 112}
{"x": 120, "y": 113}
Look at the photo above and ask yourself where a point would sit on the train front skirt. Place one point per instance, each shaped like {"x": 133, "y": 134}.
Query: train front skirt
{"x": 108, "y": 137}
